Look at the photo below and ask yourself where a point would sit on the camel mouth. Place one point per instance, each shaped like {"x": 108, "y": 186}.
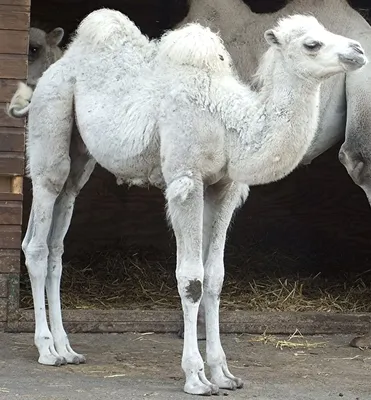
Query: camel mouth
{"x": 352, "y": 62}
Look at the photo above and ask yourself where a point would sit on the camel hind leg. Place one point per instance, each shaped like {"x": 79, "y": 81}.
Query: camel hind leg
{"x": 48, "y": 143}
{"x": 82, "y": 166}
{"x": 220, "y": 202}
{"x": 35, "y": 248}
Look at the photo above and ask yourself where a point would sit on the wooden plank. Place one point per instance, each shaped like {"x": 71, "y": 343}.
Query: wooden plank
{"x": 10, "y": 213}
{"x": 13, "y": 42}
{"x": 16, "y": 2}
{"x": 9, "y": 122}
{"x": 10, "y": 236}
{"x": 13, "y": 66}
{"x": 10, "y": 196}
{"x": 9, "y": 261}
{"x": 11, "y": 163}
{"x": 14, "y": 17}
{"x": 3, "y": 285}
{"x": 231, "y": 322}
{"x": 5, "y": 183}
{"x": 12, "y": 139}
{"x": 7, "y": 89}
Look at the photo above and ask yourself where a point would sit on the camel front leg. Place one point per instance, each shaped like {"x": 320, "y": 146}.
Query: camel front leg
{"x": 82, "y": 167}
{"x": 185, "y": 208}
{"x": 221, "y": 200}
{"x": 206, "y": 232}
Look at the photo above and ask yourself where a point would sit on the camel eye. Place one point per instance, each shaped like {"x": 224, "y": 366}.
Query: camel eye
{"x": 33, "y": 49}
{"x": 313, "y": 45}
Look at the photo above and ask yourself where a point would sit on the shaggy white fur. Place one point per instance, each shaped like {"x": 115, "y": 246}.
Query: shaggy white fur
{"x": 94, "y": 31}
{"x": 180, "y": 47}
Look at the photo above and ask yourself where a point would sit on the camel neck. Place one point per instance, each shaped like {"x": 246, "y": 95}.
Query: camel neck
{"x": 283, "y": 89}
{"x": 268, "y": 132}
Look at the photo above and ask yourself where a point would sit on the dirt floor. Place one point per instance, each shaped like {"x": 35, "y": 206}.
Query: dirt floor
{"x": 137, "y": 366}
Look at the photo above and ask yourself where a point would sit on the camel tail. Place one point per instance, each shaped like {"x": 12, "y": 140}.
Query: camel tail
{"x": 21, "y": 101}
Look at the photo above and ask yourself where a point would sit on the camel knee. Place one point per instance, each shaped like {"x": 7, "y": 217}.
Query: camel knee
{"x": 56, "y": 250}
{"x": 55, "y": 267}
{"x": 55, "y": 259}
{"x": 190, "y": 290}
{"x": 52, "y": 177}
{"x": 36, "y": 260}
{"x": 213, "y": 284}
{"x": 190, "y": 282}
{"x": 180, "y": 188}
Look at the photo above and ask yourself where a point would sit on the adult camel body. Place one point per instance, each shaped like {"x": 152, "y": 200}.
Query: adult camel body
{"x": 345, "y": 105}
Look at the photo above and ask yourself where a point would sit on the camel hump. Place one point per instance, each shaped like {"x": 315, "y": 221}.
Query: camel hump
{"x": 195, "y": 45}
{"x": 105, "y": 28}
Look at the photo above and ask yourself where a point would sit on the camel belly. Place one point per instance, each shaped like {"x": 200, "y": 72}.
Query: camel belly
{"x": 120, "y": 135}
{"x": 132, "y": 163}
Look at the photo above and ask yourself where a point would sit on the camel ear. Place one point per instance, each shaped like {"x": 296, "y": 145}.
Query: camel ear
{"x": 54, "y": 37}
{"x": 271, "y": 37}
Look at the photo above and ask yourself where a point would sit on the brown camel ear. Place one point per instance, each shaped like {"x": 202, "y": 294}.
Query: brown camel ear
{"x": 271, "y": 37}
{"x": 54, "y": 37}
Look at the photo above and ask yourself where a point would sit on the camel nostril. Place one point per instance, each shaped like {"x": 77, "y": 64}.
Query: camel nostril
{"x": 356, "y": 47}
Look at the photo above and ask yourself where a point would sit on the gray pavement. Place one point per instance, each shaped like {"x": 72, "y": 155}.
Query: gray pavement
{"x": 137, "y": 366}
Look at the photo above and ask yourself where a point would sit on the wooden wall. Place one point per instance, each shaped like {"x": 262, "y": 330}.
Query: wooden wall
{"x": 14, "y": 25}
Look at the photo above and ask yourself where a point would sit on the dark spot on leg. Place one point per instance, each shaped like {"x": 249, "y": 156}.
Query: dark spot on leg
{"x": 194, "y": 290}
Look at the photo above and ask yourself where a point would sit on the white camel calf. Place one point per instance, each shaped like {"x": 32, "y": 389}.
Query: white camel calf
{"x": 172, "y": 114}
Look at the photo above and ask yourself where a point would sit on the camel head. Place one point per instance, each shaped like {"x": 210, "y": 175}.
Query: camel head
{"x": 196, "y": 46}
{"x": 310, "y": 51}
{"x": 43, "y": 51}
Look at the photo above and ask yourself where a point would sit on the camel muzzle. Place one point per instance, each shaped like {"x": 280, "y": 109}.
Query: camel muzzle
{"x": 353, "y": 61}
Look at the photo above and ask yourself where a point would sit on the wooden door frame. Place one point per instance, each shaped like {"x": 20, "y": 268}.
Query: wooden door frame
{"x": 14, "y": 36}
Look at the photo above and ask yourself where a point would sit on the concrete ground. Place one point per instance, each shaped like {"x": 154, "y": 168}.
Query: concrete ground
{"x": 138, "y": 366}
